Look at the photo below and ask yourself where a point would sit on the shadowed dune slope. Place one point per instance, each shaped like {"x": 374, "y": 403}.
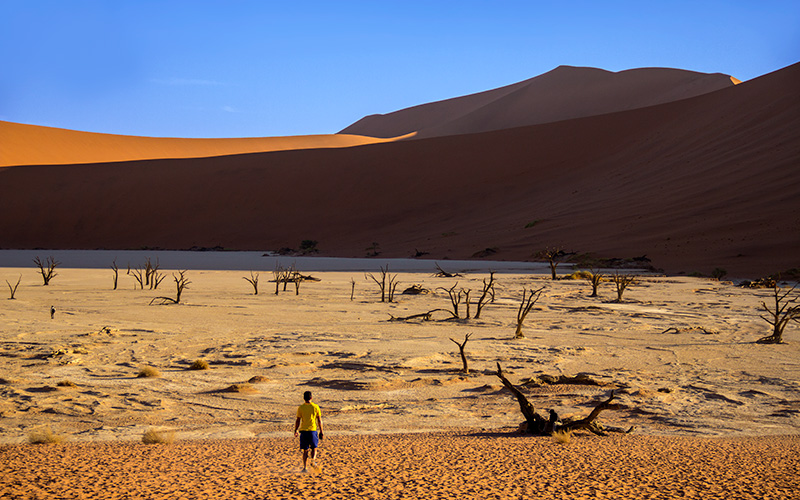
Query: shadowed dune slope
{"x": 693, "y": 184}
{"x": 564, "y": 93}
{"x": 35, "y": 145}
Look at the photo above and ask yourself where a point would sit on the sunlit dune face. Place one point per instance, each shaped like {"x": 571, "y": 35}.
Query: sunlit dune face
{"x": 35, "y": 145}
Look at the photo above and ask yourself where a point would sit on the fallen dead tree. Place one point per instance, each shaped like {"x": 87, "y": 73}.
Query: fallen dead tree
{"x": 426, "y": 316}
{"x": 687, "y": 329}
{"x": 541, "y": 426}
{"x": 441, "y": 273}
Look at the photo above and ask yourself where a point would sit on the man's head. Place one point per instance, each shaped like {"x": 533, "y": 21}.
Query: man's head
{"x": 307, "y": 396}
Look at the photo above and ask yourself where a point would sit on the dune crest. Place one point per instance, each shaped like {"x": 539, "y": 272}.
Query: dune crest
{"x": 36, "y": 145}
{"x": 564, "y": 93}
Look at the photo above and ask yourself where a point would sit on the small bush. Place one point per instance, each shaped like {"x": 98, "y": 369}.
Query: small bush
{"x": 152, "y": 436}
{"x": 44, "y": 436}
{"x": 718, "y": 273}
{"x": 562, "y": 437}
{"x": 148, "y": 371}
{"x": 199, "y": 364}
{"x": 258, "y": 379}
{"x": 67, "y": 383}
{"x": 308, "y": 246}
{"x": 579, "y": 275}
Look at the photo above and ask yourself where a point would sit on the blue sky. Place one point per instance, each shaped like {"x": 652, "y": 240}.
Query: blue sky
{"x": 263, "y": 68}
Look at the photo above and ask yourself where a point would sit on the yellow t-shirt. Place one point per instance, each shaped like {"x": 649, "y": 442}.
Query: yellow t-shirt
{"x": 308, "y": 413}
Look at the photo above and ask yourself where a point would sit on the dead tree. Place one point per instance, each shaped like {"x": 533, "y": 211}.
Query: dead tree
{"x": 181, "y": 283}
{"x": 277, "y": 273}
{"x": 525, "y": 306}
{"x": 281, "y": 275}
{"x": 352, "y": 288}
{"x": 553, "y": 257}
{"x": 151, "y": 273}
{"x": 116, "y": 273}
{"x": 13, "y": 289}
{"x": 538, "y": 425}
{"x": 461, "y": 346}
{"x": 387, "y": 283}
{"x": 486, "y": 294}
{"x": 595, "y": 277}
{"x": 153, "y": 278}
{"x": 622, "y": 281}
{"x": 47, "y": 268}
{"x": 455, "y": 298}
{"x": 392, "y": 287}
{"x": 253, "y": 280}
{"x": 783, "y": 312}
{"x": 156, "y": 278}
{"x": 466, "y": 291}
{"x": 441, "y": 273}
{"x": 138, "y": 275}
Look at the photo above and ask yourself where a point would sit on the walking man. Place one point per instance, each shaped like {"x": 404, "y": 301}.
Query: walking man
{"x": 309, "y": 426}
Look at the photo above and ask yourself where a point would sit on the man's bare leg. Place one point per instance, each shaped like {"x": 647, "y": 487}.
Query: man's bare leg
{"x": 313, "y": 457}
{"x": 305, "y": 460}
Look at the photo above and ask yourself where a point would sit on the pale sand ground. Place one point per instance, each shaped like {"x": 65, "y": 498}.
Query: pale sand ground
{"x": 372, "y": 376}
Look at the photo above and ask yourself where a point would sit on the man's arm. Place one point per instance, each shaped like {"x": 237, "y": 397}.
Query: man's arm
{"x": 319, "y": 425}
{"x": 296, "y": 426}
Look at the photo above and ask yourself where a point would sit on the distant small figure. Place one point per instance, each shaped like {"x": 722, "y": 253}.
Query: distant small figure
{"x": 52, "y": 312}
{"x": 309, "y": 421}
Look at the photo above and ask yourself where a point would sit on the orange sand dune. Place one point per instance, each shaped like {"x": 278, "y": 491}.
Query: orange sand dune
{"x": 435, "y": 466}
{"x": 34, "y": 145}
{"x": 564, "y": 93}
{"x": 695, "y": 184}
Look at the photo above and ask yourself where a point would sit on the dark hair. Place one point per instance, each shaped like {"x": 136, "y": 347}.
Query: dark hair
{"x": 307, "y": 395}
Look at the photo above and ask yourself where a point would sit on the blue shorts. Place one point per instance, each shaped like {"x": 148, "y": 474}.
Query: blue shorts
{"x": 308, "y": 439}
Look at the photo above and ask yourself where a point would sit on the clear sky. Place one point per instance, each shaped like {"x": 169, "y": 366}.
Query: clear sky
{"x": 238, "y": 68}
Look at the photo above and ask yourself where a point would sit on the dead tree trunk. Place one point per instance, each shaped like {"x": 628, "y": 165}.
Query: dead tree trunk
{"x": 595, "y": 277}
{"x": 782, "y": 313}
{"x": 153, "y": 275}
{"x": 461, "y": 347}
{"x": 352, "y": 288}
{"x": 538, "y": 425}
{"x": 156, "y": 278}
{"x": 525, "y": 307}
{"x": 181, "y": 283}
{"x": 441, "y": 273}
{"x": 47, "y": 268}
{"x": 622, "y": 281}
{"x": 553, "y": 256}
{"x": 253, "y": 280}
{"x": 138, "y": 275}
{"x": 588, "y": 423}
{"x": 116, "y": 273}
{"x": 486, "y": 293}
{"x": 383, "y": 284}
{"x": 282, "y": 275}
{"x": 392, "y": 286}
{"x": 148, "y": 272}
{"x": 455, "y": 298}
{"x": 13, "y": 289}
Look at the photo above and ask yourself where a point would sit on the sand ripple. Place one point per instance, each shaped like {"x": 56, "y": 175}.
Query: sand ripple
{"x": 460, "y": 465}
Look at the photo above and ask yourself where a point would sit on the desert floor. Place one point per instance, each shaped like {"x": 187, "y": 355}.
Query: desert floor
{"x": 392, "y": 388}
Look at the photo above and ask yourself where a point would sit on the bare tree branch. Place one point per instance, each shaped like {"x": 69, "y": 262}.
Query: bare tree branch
{"x": 525, "y": 307}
